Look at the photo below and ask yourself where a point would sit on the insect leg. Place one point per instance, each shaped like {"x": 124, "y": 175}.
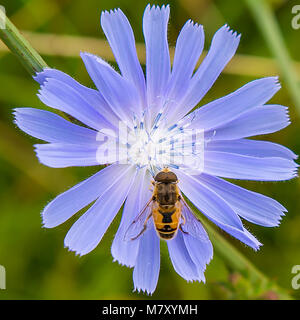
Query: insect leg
{"x": 180, "y": 228}
{"x": 152, "y": 184}
{"x": 144, "y": 227}
{"x": 182, "y": 224}
{"x": 184, "y": 220}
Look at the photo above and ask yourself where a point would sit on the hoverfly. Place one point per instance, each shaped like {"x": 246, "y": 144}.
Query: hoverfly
{"x": 168, "y": 210}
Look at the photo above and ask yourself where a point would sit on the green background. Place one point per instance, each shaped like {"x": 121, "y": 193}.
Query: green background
{"x": 37, "y": 264}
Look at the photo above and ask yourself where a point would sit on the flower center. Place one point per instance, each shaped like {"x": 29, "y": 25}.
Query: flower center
{"x": 146, "y": 149}
{"x": 162, "y": 146}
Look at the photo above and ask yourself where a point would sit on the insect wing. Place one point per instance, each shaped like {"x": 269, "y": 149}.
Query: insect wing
{"x": 192, "y": 225}
{"x": 138, "y": 226}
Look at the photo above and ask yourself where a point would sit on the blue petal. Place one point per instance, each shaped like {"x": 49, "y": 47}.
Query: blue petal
{"x": 59, "y": 95}
{"x": 253, "y": 148}
{"x": 61, "y": 155}
{"x": 88, "y": 230}
{"x": 181, "y": 259}
{"x": 119, "y": 93}
{"x": 225, "y": 109}
{"x": 235, "y": 166}
{"x": 125, "y": 252}
{"x": 155, "y": 24}
{"x": 196, "y": 197}
{"x": 252, "y": 206}
{"x": 50, "y": 127}
{"x": 121, "y": 39}
{"x": 188, "y": 49}
{"x": 201, "y": 252}
{"x": 92, "y": 97}
{"x": 244, "y": 236}
{"x": 71, "y": 201}
{"x": 222, "y": 49}
{"x": 208, "y": 202}
{"x": 146, "y": 270}
{"x": 260, "y": 120}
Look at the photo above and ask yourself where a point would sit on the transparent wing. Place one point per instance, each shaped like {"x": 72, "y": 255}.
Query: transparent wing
{"x": 191, "y": 225}
{"x": 139, "y": 224}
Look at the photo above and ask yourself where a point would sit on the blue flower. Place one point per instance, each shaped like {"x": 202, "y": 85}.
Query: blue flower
{"x": 155, "y": 108}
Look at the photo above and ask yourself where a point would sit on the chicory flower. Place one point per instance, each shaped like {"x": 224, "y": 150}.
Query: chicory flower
{"x": 154, "y": 114}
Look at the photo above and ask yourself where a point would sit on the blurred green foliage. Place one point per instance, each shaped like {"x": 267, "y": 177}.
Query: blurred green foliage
{"x": 37, "y": 264}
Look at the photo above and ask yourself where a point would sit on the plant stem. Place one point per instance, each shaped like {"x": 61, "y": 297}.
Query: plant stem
{"x": 28, "y": 56}
{"x": 11, "y": 36}
{"x": 270, "y": 29}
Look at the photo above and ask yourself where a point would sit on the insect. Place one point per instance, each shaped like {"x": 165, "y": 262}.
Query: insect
{"x": 168, "y": 210}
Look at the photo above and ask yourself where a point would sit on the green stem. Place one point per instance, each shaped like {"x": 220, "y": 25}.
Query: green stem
{"x": 10, "y": 35}
{"x": 270, "y": 29}
{"x": 29, "y": 58}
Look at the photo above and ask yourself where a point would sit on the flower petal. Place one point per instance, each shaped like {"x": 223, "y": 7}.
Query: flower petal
{"x": 254, "y": 148}
{"x": 244, "y": 236}
{"x": 121, "y": 39}
{"x": 88, "y": 230}
{"x": 201, "y": 252}
{"x": 208, "y": 202}
{"x": 50, "y": 127}
{"x": 155, "y": 24}
{"x": 222, "y": 49}
{"x": 61, "y": 155}
{"x": 235, "y": 166}
{"x": 196, "y": 197}
{"x": 59, "y": 95}
{"x": 119, "y": 93}
{"x": 93, "y": 97}
{"x": 146, "y": 269}
{"x": 181, "y": 260}
{"x": 252, "y": 206}
{"x": 221, "y": 111}
{"x": 71, "y": 201}
{"x": 125, "y": 252}
{"x": 260, "y": 120}
{"x": 188, "y": 49}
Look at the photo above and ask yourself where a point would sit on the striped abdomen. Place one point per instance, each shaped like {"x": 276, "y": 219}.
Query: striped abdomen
{"x": 166, "y": 220}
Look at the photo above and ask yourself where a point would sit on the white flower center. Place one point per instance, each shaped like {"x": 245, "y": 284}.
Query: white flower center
{"x": 161, "y": 146}
{"x": 147, "y": 149}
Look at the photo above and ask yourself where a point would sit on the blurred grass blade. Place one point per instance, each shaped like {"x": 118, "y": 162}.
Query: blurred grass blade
{"x": 270, "y": 29}
{"x": 10, "y": 35}
{"x": 237, "y": 262}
